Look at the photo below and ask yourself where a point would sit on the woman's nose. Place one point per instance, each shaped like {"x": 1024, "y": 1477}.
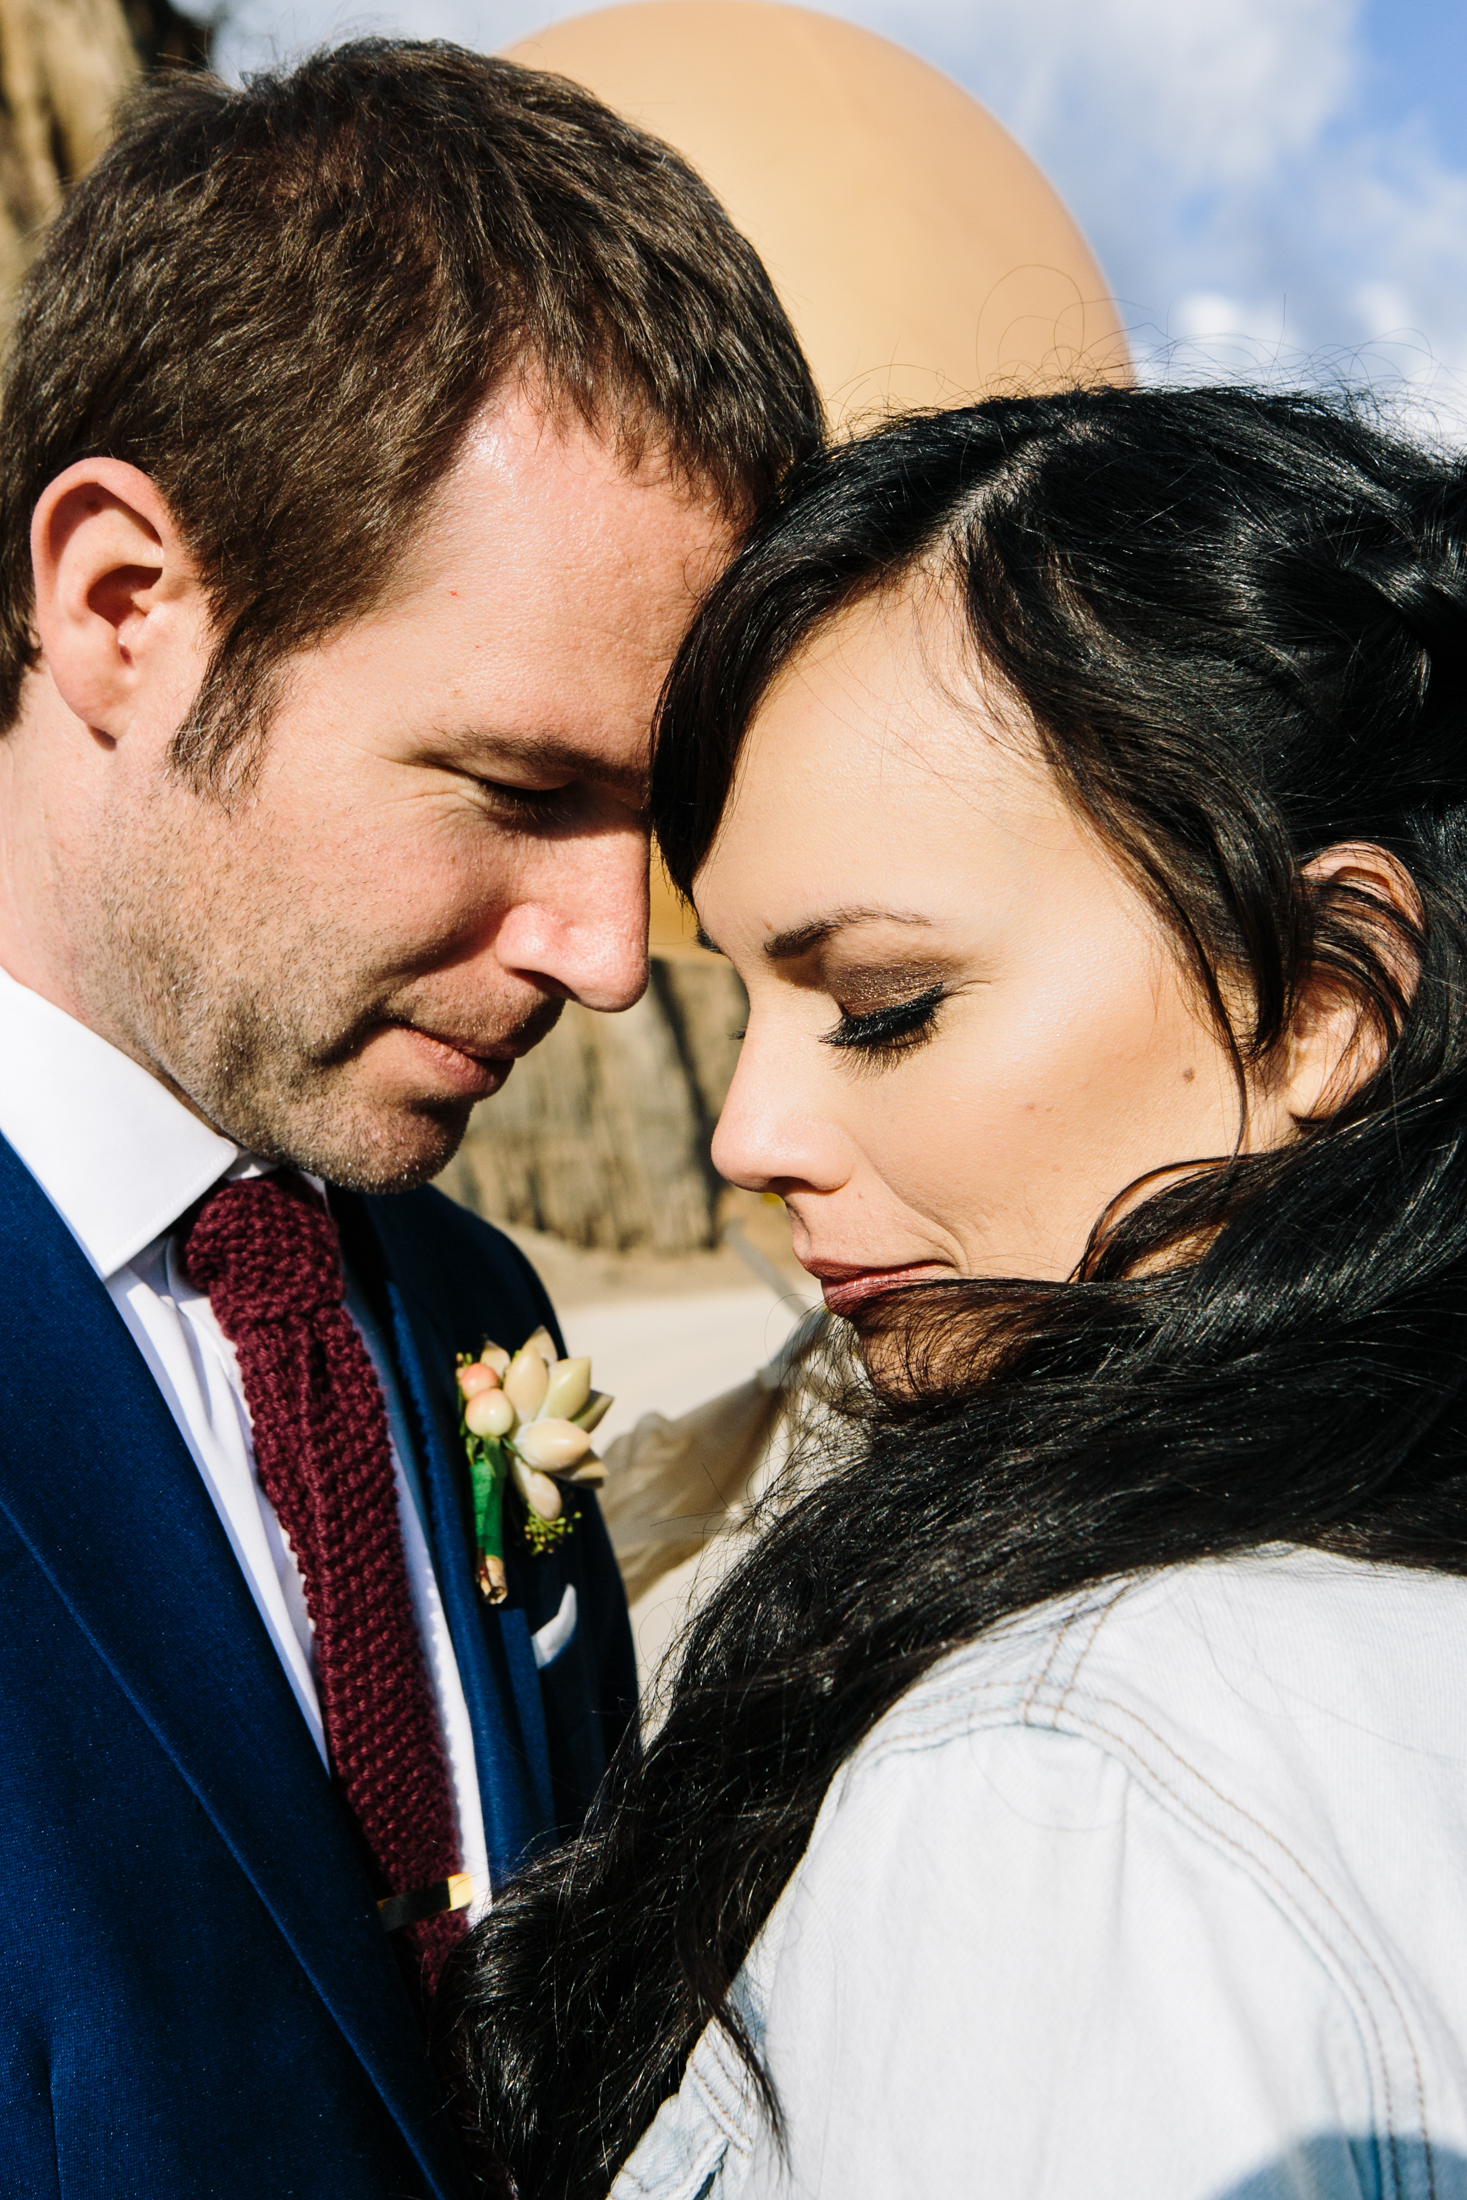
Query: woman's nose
{"x": 772, "y": 1135}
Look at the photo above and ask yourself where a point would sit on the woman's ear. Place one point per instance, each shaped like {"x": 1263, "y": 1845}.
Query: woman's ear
{"x": 1341, "y": 1033}
{"x": 119, "y": 612}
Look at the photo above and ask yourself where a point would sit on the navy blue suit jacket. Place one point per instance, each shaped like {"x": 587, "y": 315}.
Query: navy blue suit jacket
{"x": 197, "y": 2001}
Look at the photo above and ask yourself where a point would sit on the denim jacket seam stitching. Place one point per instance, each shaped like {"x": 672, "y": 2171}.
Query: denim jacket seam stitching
{"x": 691, "y": 2181}
{"x": 933, "y": 1724}
{"x": 1037, "y": 1679}
{"x": 721, "y": 2110}
{"x": 1106, "y": 1612}
{"x": 971, "y": 1716}
{"x": 1081, "y": 1615}
{"x": 1263, "y": 1869}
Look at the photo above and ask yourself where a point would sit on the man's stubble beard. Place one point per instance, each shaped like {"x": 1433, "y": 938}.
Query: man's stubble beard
{"x": 176, "y": 957}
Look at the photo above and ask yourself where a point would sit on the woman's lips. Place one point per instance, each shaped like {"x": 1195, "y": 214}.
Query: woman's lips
{"x": 844, "y": 1287}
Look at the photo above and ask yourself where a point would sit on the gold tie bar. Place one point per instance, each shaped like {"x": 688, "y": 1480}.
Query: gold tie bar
{"x": 453, "y": 1893}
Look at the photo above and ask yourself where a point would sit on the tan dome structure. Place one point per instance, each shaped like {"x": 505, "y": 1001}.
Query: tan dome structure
{"x": 921, "y": 255}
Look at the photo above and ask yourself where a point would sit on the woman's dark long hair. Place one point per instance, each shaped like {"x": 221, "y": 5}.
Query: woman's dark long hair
{"x": 1238, "y": 624}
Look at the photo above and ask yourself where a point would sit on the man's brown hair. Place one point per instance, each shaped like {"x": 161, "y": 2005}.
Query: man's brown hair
{"x": 286, "y": 303}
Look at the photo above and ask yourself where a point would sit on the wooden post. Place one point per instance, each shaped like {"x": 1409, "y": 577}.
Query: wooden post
{"x": 601, "y": 1134}
{"x": 64, "y": 67}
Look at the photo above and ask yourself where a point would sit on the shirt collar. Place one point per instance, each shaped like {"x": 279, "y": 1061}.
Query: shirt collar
{"x": 118, "y": 1157}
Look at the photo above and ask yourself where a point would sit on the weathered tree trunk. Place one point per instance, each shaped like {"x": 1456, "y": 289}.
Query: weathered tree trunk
{"x": 64, "y": 66}
{"x": 601, "y": 1134}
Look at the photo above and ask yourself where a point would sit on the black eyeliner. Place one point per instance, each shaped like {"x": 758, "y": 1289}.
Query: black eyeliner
{"x": 880, "y": 1027}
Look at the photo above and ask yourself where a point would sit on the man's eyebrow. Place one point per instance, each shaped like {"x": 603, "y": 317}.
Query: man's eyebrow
{"x": 544, "y": 753}
{"x": 799, "y": 940}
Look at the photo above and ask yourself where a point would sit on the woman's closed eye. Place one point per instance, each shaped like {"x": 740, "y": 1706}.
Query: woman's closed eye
{"x": 893, "y": 1030}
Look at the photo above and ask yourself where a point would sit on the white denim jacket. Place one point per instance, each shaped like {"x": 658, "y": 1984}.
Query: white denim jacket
{"x": 1160, "y": 1894}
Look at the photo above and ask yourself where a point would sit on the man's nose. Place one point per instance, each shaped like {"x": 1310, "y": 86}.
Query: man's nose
{"x": 772, "y": 1135}
{"x": 583, "y": 923}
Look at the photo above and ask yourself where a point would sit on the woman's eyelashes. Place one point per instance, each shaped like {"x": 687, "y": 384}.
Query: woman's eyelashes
{"x": 897, "y": 1028}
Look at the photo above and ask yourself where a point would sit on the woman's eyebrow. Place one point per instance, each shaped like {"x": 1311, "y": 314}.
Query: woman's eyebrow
{"x": 800, "y": 938}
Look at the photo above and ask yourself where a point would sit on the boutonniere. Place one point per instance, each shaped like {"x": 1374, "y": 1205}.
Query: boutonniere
{"x": 527, "y": 1422}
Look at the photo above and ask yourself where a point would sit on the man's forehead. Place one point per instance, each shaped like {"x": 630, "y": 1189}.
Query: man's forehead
{"x": 547, "y": 601}
{"x": 584, "y": 570}
{"x": 527, "y": 453}
{"x": 521, "y": 422}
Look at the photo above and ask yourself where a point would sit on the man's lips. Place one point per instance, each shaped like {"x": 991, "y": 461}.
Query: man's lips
{"x": 845, "y": 1286}
{"x": 468, "y": 1066}
{"x": 462, "y": 1063}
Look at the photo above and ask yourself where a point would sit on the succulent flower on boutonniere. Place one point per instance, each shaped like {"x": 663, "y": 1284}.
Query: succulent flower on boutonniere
{"x": 527, "y": 1420}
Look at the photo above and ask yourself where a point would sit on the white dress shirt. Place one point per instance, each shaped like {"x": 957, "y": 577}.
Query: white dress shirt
{"x": 121, "y": 1160}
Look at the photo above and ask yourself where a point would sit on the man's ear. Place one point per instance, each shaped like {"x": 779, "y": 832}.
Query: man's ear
{"x": 119, "y": 610}
{"x": 1339, "y": 1040}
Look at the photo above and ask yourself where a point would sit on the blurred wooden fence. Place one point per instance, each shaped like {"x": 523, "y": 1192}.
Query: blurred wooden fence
{"x": 601, "y": 1134}
{"x": 64, "y": 65}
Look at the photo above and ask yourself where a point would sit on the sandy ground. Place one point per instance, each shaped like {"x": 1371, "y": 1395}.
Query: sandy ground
{"x": 668, "y": 1334}
{"x": 665, "y": 1334}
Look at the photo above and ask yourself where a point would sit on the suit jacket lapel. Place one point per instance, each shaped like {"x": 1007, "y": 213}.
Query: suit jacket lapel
{"x": 492, "y": 1646}
{"x": 99, "y": 1484}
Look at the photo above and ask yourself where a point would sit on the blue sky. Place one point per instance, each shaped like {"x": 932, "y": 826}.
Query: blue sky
{"x": 1274, "y": 187}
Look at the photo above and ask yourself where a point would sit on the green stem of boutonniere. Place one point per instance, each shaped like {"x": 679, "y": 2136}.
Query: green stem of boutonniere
{"x": 526, "y": 1420}
{"x": 488, "y": 1467}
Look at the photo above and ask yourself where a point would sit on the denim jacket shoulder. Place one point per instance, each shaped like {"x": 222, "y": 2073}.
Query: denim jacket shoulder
{"x": 1288, "y": 1721}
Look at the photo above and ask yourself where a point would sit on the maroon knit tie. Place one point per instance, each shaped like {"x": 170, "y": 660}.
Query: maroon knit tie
{"x": 267, "y": 1253}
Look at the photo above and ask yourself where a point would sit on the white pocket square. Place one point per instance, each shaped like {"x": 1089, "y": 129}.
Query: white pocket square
{"x": 548, "y": 1641}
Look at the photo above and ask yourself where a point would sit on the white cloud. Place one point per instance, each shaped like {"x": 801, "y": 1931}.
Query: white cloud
{"x": 1214, "y": 89}
{"x": 1251, "y": 213}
